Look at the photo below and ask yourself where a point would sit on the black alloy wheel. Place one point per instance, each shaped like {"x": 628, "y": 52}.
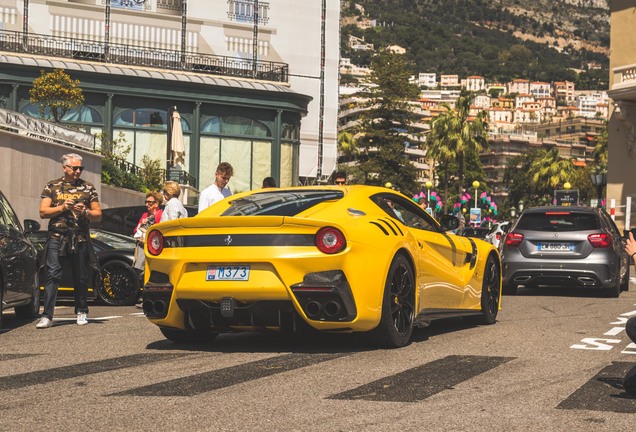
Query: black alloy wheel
{"x": 490, "y": 290}
{"x": 398, "y": 305}
{"x": 118, "y": 285}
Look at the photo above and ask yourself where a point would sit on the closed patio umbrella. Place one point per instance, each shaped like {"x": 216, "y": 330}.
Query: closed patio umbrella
{"x": 177, "y": 148}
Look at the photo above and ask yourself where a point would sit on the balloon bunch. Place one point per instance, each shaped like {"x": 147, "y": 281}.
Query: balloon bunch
{"x": 465, "y": 198}
{"x": 435, "y": 202}
{"x": 488, "y": 203}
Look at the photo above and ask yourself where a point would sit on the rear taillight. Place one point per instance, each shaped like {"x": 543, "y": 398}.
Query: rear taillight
{"x": 601, "y": 240}
{"x": 514, "y": 239}
{"x": 330, "y": 240}
{"x": 155, "y": 242}
{"x": 498, "y": 235}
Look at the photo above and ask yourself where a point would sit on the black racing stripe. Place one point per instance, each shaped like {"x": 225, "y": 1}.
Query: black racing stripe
{"x": 380, "y": 226}
{"x": 603, "y": 392}
{"x": 417, "y": 384}
{"x": 229, "y": 376}
{"x": 390, "y": 226}
{"x": 395, "y": 224}
{"x": 77, "y": 370}
{"x": 4, "y": 357}
{"x": 241, "y": 240}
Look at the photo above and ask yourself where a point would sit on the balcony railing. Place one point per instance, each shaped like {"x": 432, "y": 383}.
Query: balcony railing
{"x": 180, "y": 176}
{"x": 94, "y": 51}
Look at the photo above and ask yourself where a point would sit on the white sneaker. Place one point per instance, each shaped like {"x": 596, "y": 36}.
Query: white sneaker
{"x": 44, "y": 323}
{"x": 82, "y": 319}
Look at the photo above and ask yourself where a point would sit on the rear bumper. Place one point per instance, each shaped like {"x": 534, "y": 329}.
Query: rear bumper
{"x": 547, "y": 272}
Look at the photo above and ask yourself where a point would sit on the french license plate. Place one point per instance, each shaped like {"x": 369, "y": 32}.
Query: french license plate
{"x": 228, "y": 273}
{"x": 556, "y": 247}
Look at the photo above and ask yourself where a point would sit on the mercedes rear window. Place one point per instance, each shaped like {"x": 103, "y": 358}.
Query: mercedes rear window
{"x": 558, "y": 221}
{"x": 280, "y": 203}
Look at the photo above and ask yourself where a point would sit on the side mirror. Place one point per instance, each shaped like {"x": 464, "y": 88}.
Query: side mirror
{"x": 31, "y": 226}
{"x": 449, "y": 222}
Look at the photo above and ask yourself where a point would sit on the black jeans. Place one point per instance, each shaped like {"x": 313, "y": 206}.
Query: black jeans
{"x": 53, "y": 275}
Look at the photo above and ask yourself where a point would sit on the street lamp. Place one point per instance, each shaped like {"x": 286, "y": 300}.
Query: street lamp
{"x": 513, "y": 212}
{"x": 520, "y": 206}
{"x": 476, "y": 185}
{"x": 567, "y": 186}
{"x": 599, "y": 180}
{"x": 428, "y": 185}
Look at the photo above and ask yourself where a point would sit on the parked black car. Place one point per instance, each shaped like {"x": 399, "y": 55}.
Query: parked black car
{"x": 18, "y": 265}
{"x": 565, "y": 246}
{"x": 475, "y": 232}
{"x": 123, "y": 220}
{"x": 119, "y": 284}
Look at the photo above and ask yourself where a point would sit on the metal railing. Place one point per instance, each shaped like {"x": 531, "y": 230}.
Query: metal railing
{"x": 96, "y": 51}
{"x": 180, "y": 176}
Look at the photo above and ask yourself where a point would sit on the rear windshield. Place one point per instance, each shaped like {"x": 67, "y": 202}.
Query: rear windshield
{"x": 280, "y": 203}
{"x": 558, "y": 221}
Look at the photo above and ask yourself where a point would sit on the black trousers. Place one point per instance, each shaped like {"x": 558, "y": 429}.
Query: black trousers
{"x": 53, "y": 275}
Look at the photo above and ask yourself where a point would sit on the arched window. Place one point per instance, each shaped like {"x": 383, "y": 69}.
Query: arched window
{"x": 79, "y": 114}
{"x": 146, "y": 118}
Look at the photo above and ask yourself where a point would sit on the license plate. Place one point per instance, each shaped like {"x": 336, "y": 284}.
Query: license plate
{"x": 227, "y": 273}
{"x": 556, "y": 247}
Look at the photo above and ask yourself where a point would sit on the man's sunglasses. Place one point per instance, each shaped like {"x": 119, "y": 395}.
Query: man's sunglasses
{"x": 151, "y": 202}
{"x": 340, "y": 182}
{"x": 76, "y": 168}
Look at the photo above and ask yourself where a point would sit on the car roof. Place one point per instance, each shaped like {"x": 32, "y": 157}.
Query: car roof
{"x": 543, "y": 209}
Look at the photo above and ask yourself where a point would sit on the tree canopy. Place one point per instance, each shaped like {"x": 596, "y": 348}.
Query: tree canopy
{"x": 56, "y": 93}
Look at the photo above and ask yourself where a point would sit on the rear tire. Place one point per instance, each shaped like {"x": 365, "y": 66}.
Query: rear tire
{"x": 625, "y": 283}
{"x": 398, "y": 305}
{"x": 187, "y": 336}
{"x": 31, "y": 310}
{"x": 490, "y": 291}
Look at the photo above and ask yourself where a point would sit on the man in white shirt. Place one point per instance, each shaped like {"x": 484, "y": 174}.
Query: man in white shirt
{"x": 217, "y": 190}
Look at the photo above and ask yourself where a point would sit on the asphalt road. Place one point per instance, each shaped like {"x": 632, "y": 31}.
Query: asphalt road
{"x": 554, "y": 361}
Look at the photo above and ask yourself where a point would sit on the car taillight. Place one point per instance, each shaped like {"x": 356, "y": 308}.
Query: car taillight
{"x": 330, "y": 240}
{"x": 514, "y": 239}
{"x": 601, "y": 240}
{"x": 498, "y": 235}
{"x": 155, "y": 242}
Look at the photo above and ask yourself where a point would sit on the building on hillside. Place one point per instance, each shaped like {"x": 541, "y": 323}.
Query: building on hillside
{"x": 563, "y": 91}
{"x": 482, "y": 101}
{"x": 592, "y": 104}
{"x": 474, "y": 83}
{"x": 540, "y": 89}
{"x": 258, "y": 95}
{"x": 396, "y": 49}
{"x": 449, "y": 82}
{"x": 346, "y": 67}
{"x": 575, "y": 139}
{"x": 358, "y": 44}
{"x": 427, "y": 80}
{"x": 519, "y": 86}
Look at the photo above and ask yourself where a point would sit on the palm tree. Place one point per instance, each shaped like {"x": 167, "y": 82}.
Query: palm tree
{"x": 347, "y": 144}
{"x": 549, "y": 170}
{"x": 455, "y": 132}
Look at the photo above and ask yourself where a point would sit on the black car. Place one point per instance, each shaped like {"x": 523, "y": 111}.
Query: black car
{"x": 119, "y": 283}
{"x": 18, "y": 265}
{"x": 123, "y": 220}
{"x": 475, "y": 232}
{"x": 565, "y": 246}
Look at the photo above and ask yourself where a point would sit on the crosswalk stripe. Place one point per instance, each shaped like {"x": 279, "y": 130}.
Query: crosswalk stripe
{"x": 229, "y": 376}
{"x": 423, "y": 381}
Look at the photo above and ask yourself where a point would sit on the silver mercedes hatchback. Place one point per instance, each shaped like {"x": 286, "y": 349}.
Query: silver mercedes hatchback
{"x": 565, "y": 246}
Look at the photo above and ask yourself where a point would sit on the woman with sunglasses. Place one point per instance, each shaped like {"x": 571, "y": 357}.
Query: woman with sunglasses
{"x": 153, "y": 215}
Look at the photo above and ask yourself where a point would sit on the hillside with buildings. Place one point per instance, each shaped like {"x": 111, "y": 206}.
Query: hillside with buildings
{"x": 501, "y": 40}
